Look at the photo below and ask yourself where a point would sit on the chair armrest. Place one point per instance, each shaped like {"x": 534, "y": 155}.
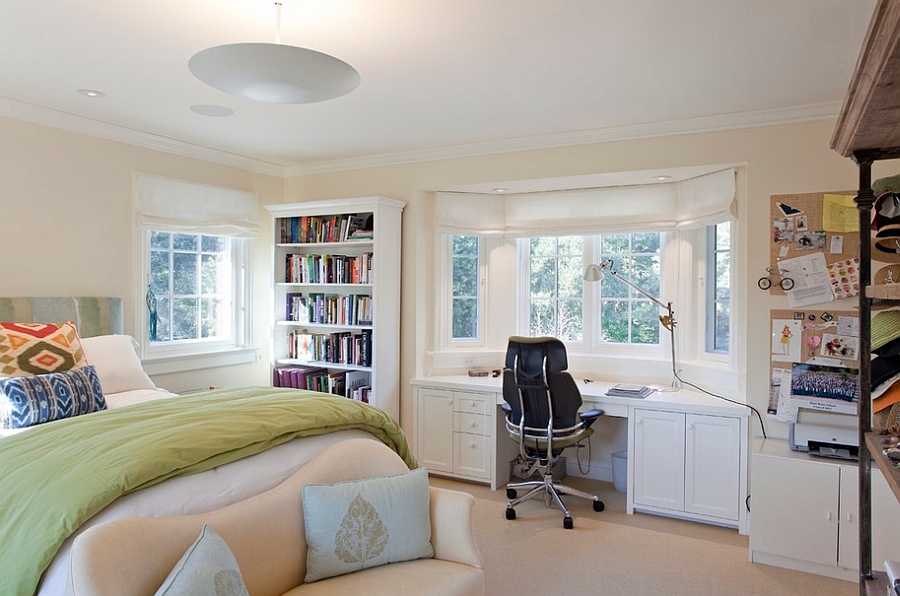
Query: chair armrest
{"x": 588, "y": 417}
{"x": 451, "y": 527}
{"x": 506, "y": 407}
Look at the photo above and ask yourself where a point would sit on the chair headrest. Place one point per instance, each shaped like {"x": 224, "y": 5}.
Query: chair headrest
{"x": 531, "y": 352}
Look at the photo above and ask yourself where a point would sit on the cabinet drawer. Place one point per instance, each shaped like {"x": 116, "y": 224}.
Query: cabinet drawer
{"x": 471, "y": 403}
{"x": 472, "y": 456}
{"x": 473, "y": 424}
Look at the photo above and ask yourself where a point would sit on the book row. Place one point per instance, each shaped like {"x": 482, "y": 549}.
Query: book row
{"x": 328, "y": 269}
{"x": 330, "y": 228}
{"x": 339, "y": 348}
{"x": 352, "y": 384}
{"x": 328, "y": 309}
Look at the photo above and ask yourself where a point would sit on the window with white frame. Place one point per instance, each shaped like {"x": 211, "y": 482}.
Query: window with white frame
{"x": 192, "y": 282}
{"x": 718, "y": 290}
{"x": 465, "y": 288}
{"x": 654, "y": 236}
{"x": 557, "y": 300}
{"x": 192, "y": 291}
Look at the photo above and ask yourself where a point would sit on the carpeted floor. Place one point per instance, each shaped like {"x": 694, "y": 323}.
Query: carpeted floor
{"x": 612, "y": 553}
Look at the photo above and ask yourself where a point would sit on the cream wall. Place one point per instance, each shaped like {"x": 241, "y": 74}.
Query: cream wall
{"x": 779, "y": 160}
{"x": 65, "y": 202}
{"x": 66, "y": 214}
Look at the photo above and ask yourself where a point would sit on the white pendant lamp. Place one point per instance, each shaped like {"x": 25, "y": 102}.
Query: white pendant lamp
{"x": 272, "y": 72}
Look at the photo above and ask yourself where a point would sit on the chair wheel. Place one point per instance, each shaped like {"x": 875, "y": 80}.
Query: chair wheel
{"x": 511, "y": 493}
{"x": 510, "y": 513}
{"x": 598, "y": 505}
{"x": 567, "y": 523}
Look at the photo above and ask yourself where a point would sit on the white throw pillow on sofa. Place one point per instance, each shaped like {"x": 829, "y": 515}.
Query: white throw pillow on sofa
{"x": 355, "y": 525}
{"x": 207, "y": 568}
{"x": 116, "y": 362}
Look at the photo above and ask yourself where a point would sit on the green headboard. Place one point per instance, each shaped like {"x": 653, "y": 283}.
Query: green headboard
{"x": 92, "y": 315}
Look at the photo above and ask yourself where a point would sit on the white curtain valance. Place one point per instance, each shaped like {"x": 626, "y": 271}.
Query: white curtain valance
{"x": 689, "y": 204}
{"x": 172, "y": 205}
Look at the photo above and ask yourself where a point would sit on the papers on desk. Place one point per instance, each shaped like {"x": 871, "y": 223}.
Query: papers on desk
{"x": 637, "y": 391}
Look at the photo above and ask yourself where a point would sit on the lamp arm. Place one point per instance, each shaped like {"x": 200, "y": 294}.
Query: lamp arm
{"x": 629, "y": 283}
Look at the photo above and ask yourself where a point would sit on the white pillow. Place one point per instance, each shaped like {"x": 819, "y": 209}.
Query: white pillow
{"x": 366, "y": 523}
{"x": 207, "y": 568}
{"x": 117, "y": 364}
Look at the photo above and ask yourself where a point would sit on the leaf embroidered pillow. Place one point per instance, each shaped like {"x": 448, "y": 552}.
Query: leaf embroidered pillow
{"x": 352, "y": 526}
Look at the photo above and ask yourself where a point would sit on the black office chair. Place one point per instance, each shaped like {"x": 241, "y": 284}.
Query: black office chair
{"x": 542, "y": 402}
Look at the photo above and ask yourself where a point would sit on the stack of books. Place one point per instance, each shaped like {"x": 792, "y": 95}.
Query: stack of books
{"x": 638, "y": 391}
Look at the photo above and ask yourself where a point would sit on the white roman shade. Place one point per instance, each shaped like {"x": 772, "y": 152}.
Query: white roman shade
{"x": 167, "y": 204}
{"x": 692, "y": 203}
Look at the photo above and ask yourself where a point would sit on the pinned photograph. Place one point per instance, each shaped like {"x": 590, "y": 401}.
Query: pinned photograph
{"x": 828, "y": 388}
{"x": 784, "y": 229}
{"x": 810, "y": 240}
{"x": 839, "y": 346}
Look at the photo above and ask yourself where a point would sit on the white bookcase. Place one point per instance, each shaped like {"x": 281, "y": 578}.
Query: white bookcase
{"x": 337, "y": 294}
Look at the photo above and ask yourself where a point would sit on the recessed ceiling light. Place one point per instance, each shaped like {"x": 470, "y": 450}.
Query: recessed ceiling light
{"x": 91, "y": 93}
{"x": 662, "y": 177}
{"x": 499, "y": 189}
{"x": 212, "y": 110}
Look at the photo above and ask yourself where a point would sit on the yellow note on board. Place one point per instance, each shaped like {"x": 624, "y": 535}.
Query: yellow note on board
{"x": 839, "y": 213}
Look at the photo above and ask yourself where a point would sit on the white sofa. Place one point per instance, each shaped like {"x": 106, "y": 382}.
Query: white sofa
{"x": 266, "y": 535}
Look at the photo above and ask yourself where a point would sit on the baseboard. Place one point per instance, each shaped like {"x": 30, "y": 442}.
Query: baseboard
{"x": 592, "y": 470}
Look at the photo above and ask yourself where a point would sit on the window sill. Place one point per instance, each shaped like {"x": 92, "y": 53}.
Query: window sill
{"x": 186, "y": 362}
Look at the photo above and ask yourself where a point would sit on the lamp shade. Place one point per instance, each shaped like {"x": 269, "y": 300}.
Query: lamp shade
{"x": 592, "y": 273}
{"x": 273, "y": 72}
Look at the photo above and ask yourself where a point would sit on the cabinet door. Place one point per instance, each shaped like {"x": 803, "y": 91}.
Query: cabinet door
{"x": 712, "y": 466}
{"x": 434, "y": 429}
{"x": 885, "y": 520}
{"x": 659, "y": 459}
{"x": 794, "y": 509}
{"x": 471, "y": 453}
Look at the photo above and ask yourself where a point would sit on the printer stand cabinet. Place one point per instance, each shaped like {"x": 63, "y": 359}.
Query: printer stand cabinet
{"x": 805, "y": 513}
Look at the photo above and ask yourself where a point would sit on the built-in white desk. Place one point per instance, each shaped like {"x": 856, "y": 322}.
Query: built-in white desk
{"x": 687, "y": 451}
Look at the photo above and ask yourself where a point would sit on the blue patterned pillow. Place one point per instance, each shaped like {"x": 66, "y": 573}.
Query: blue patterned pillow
{"x": 26, "y": 401}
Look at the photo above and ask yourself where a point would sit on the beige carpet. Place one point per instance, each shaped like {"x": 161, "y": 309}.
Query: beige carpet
{"x": 611, "y": 553}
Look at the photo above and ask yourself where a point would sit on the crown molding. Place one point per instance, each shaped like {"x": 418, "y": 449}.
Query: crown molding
{"x": 94, "y": 128}
{"x": 65, "y": 121}
{"x": 794, "y": 115}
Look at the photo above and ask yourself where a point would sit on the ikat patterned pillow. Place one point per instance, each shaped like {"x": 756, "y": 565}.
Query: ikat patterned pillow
{"x": 39, "y": 348}
{"x": 26, "y": 401}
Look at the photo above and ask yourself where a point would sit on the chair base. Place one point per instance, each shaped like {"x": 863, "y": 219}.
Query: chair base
{"x": 551, "y": 491}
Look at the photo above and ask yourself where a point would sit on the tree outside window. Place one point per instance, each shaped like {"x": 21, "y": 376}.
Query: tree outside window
{"x": 191, "y": 279}
{"x": 465, "y": 298}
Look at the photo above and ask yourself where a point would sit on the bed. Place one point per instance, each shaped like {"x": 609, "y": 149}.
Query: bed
{"x": 149, "y": 452}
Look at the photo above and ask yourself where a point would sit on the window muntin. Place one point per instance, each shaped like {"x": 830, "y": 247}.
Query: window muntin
{"x": 555, "y": 266}
{"x": 466, "y": 291}
{"x": 192, "y": 280}
{"x": 626, "y": 316}
{"x": 718, "y": 296}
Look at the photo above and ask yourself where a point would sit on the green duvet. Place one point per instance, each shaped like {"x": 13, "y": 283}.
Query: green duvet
{"x": 55, "y": 477}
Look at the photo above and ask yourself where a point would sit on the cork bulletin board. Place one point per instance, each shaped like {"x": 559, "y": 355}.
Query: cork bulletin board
{"x": 815, "y": 230}
{"x": 813, "y": 361}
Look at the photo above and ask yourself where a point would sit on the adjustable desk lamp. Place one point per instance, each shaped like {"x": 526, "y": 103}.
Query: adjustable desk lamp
{"x": 595, "y": 272}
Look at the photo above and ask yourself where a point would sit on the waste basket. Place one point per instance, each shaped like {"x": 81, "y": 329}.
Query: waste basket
{"x": 620, "y": 471}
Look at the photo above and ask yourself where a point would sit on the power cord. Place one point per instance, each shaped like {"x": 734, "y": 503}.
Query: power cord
{"x": 762, "y": 426}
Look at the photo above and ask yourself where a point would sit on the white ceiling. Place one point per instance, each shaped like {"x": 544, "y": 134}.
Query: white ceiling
{"x": 439, "y": 78}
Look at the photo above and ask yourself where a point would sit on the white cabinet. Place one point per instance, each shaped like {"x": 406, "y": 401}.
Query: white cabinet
{"x": 454, "y": 432}
{"x": 688, "y": 465}
{"x": 805, "y": 513}
{"x": 336, "y": 297}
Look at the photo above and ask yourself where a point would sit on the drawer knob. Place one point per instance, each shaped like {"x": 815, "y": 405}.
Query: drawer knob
{"x": 472, "y": 424}
{"x": 473, "y": 403}
{"x": 472, "y": 445}
{"x": 449, "y": 400}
